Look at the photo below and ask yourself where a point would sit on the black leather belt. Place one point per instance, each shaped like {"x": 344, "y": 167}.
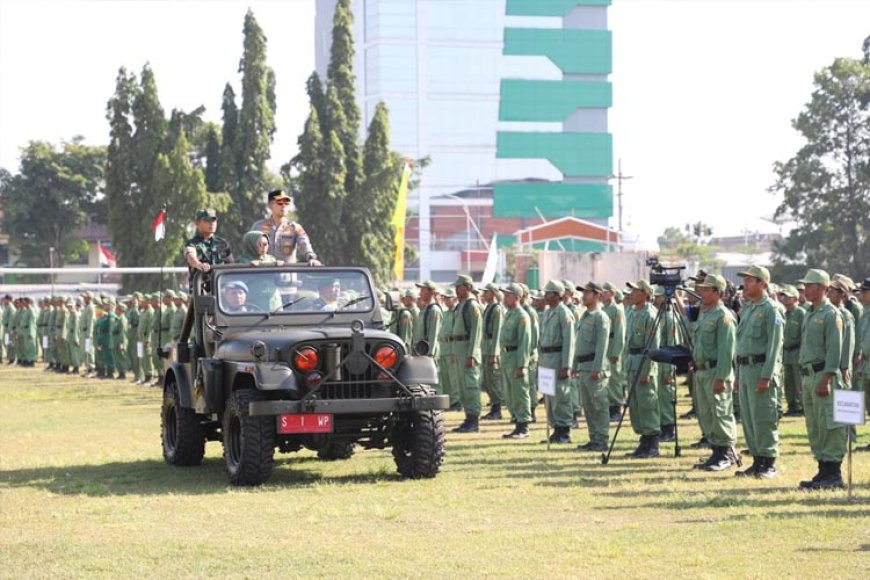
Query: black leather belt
{"x": 791, "y": 348}
{"x": 611, "y": 334}
{"x": 706, "y": 365}
{"x": 489, "y": 335}
{"x": 550, "y": 349}
{"x": 583, "y": 358}
{"x": 809, "y": 369}
{"x": 752, "y": 359}
{"x": 510, "y": 348}
{"x": 459, "y": 338}
{"x": 638, "y": 350}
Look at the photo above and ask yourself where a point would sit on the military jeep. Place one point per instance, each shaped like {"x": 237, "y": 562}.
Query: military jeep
{"x": 290, "y": 358}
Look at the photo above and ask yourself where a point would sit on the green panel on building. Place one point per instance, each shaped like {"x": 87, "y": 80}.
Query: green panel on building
{"x": 505, "y": 240}
{"x": 548, "y": 7}
{"x": 574, "y": 51}
{"x": 574, "y": 154}
{"x": 572, "y": 245}
{"x": 553, "y": 200}
{"x": 551, "y": 101}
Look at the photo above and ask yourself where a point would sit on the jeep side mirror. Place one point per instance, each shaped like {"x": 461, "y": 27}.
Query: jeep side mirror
{"x": 392, "y": 301}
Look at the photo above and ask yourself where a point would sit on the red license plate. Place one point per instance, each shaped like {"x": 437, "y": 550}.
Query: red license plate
{"x": 305, "y": 423}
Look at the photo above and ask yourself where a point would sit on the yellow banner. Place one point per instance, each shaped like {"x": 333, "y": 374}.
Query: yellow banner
{"x": 398, "y": 222}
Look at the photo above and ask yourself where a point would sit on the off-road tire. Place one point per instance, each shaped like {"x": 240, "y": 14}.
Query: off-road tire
{"x": 249, "y": 442}
{"x": 336, "y": 449}
{"x": 418, "y": 443}
{"x": 181, "y": 433}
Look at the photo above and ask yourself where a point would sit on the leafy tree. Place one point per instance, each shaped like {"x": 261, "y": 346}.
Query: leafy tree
{"x": 212, "y": 159}
{"x": 51, "y": 197}
{"x": 228, "y": 170}
{"x": 826, "y": 185}
{"x": 343, "y": 115}
{"x": 679, "y": 246}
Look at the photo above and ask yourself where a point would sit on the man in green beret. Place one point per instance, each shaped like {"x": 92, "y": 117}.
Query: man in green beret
{"x": 491, "y": 379}
{"x": 794, "y": 320}
{"x": 713, "y": 352}
{"x": 515, "y": 342}
{"x": 205, "y": 249}
{"x": 61, "y": 346}
{"x": 466, "y": 339}
{"x": 819, "y": 359}
{"x": 759, "y": 356}
{"x": 557, "y": 355}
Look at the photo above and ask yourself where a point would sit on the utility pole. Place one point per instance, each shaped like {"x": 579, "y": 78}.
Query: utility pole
{"x": 619, "y": 179}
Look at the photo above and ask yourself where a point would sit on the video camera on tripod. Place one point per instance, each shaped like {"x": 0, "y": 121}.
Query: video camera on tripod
{"x": 668, "y": 277}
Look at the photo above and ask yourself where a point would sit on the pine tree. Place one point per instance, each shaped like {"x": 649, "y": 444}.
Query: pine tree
{"x": 120, "y": 165}
{"x": 212, "y": 159}
{"x": 228, "y": 170}
{"x": 341, "y": 79}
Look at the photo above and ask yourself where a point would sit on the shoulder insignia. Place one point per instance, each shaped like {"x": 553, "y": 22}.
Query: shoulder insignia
{"x": 839, "y": 323}
{"x": 524, "y": 321}
{"x": 727, "y": 319}
{"x": 299, "y": 230}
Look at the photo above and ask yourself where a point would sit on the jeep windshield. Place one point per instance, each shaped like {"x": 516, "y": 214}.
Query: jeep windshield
{"x": 287, "y": 291}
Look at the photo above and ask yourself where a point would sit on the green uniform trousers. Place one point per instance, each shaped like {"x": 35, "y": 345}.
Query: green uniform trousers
{"x": 667, "y": 392}
{"x": 533, "y": 384}
{"x": 492, "y": 382}
{"x": 146, "y": 363}
{"x": 827, "y": 438}
{"x": 468, "y": 380}
{"x": 760, "y": 416}
{"x": 644, "y": 404}
{"x": 446, "y": 383}
{"x": 518, "y": 398}
{"x": 716, "y": 412}
{"x": 616, "y": 383}
{"x": 120, "y": 356}
{"x": 561, "y": 410}
{"x": 596, "y": 406}
{"x": 792, "y": 379}
{"x": 133, "y": 359}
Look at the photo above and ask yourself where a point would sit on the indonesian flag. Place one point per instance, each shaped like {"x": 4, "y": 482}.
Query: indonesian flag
{"x": 159, "y": 226}
{"x": 107, "y": 259}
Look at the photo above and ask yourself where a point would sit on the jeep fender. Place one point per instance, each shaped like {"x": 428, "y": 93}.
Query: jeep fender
{"x": 418, "y": 370}
{"x": 182, "y": 381}
{"x": 267, "y": 376}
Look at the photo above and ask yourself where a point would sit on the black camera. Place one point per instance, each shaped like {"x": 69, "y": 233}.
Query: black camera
{"x": 669, "y": 277}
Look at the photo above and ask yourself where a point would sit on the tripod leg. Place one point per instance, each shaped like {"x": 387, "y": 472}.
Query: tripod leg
{"x": 677, "y": 450}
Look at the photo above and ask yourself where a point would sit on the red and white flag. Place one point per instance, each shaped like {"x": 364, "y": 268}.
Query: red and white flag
{"x": 107, "y": 259}
{"x": 159, "y": 226}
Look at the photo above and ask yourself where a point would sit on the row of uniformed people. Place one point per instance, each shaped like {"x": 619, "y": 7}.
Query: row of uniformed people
{"x": 97, "y": 334}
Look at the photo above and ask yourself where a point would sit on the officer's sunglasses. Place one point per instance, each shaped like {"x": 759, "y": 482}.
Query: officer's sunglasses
{"x": 283, "y": 202}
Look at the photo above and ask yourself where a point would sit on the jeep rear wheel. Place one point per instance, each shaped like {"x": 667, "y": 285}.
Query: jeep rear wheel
{"x": 249, "y": 442}
{"x": 182, "y": 435}
{"x": 418, "y": 444}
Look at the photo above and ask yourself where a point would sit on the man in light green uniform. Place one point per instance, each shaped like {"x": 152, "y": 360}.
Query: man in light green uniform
{"x": 590, "y": 363}
{"x": 402, "y": 324}
{"x": 466, "y": 338}
{"x": 642, "y": 372}
{"x": 133, "y": 315}
{"x": 820, "y": 356}
{"x": 118, "y": 330}
{"x": 146, "y": 321}
{"x": 446, "y": 374}
{"x": 791, "y": 344}
{"x": 74, "y": 341}
{"x": 758, "y": 355}
{"x": 862, "y": 356}
{"x": 86, "y": 331}
{"x": 515, "y": 343}
{"x": 42, "y": 328}
{"x": 535, "y": 325}
{"x": 429, "y": 321}
{"x": 670, "y": 334}
{"x": 490, "y": 350}
{"x": 576, "y": 311}
{"x": 838, "y": 293}
{"x": 178, "y": 317}
{"x": 713, "y": 352}
{"x": 616, "y": 380}
{"x": 61, "y": 345}
{"x": 556, "y": 353}
{"x": 5, "y": 335}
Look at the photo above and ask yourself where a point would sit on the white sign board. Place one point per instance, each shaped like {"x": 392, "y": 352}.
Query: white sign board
{"x": 140, "y": 349}
{"x": 849, "y": 407}
{"x": 547, "y": 381}
{"x": 44, "y": 341}
{"x": 89, "y": 346}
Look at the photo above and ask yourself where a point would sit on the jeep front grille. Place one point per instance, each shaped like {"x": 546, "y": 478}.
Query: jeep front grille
{"x": 346, "y": 390}
{"x": 366, "y": 385}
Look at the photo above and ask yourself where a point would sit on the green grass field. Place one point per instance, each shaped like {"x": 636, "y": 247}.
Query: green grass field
{"x": 84, "y": 492}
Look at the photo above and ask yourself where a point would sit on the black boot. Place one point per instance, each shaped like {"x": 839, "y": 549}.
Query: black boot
{"x": 641, "y": 447}
{"x": 720, "y": 461}
{"x": 702, "y": 443}
{"x": 767, "y": 469}
{"x": 561, "y": 435}
{"x": 757, "y": 463}
{"x": 832, "y": 479}
{"x": 614, "y": 413}
{"x": 690, "y": 415}
{"x": 122, "y": 376}
{"x": 521, "y": 431}
{"x": 652, "y": 448}
{"x": 668, "y": 434}
{"x": 471, "y": 425}
{"x": 494, "y": 413}
{"x": 822, "y": 472}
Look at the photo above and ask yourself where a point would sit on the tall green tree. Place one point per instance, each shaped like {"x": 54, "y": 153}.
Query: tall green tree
{"x": 54, "y": 192}
{"x": 826, "y": 185}
{"x": 256, "y": 128}
{"x": 213, "y": 159}
{"x": 342, "y": 113}
{"x": 228, "y": 170}
{"x": 120, "y": 165}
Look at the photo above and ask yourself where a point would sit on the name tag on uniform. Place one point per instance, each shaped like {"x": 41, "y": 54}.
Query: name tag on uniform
{"x": 140, "y": 349}
{"x": 89, "y": 345}
{"x": 6, "y": 339}
{"x": 45, "y": 341}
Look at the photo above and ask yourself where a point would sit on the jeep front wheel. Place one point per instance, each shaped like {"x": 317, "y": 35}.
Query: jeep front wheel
{"x": 249, "y": 442}
{"x": 418, "y": 444}
{"x": 181, "y": 433}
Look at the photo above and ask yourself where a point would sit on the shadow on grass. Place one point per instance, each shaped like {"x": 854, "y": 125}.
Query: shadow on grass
{"x": 154, "y": 477}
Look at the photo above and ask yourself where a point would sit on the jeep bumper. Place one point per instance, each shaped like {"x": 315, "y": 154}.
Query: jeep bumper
{"x": 349, "y": 406}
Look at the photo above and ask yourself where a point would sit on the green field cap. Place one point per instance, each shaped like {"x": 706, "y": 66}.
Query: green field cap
{"x": 759, "y": 272}
{"x": 816, "y": 277}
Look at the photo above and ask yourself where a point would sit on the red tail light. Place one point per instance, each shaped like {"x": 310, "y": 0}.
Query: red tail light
{"x": 387, "y": 357}
{"x": 306, "y": 359}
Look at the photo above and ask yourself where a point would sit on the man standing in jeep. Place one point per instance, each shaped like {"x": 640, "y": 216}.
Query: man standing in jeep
{"x": 285, "y": 237}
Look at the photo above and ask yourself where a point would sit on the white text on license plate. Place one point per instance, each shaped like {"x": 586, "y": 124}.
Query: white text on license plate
{"x": 305, "y": 423}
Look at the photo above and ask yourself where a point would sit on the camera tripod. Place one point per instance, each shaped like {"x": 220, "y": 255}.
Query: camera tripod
{"x": 679, "y": 356}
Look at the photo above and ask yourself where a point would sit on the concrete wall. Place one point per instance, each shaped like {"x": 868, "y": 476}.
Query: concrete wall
{"x": 580, "y": 268}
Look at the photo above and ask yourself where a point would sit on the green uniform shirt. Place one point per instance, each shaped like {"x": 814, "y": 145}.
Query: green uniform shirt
{"x": 133, "y": 316}
{"x": 492, "y": 321}
{"x": 515, "y": 338}
{"x": 593, "y": 338}
{"x": 535, "y": 325}
{"x": 557, "y": 332}
{"x": 714, "y": 340}
{"x": 445, "y": 345}
{"x": 822, "y": 338}
{"x": 849, "y": 339}
{"x": 118, "y": 331}
{"x": 73, "y": 328}
{"x": 791, "y": 336}
{"x": 177, "y": 323}
{"x": 616, "y": 313}
{"x": 428, "y": 327}
{"x": 639, "y": 334}
{"x": 403, "y": 327}
{"x": 86, "y": 322}
{"x": 864, "y": 345}
{"x": 467, "y": 330}
{"x": 145, "y": 320}
{"x": 760, "y": 333}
